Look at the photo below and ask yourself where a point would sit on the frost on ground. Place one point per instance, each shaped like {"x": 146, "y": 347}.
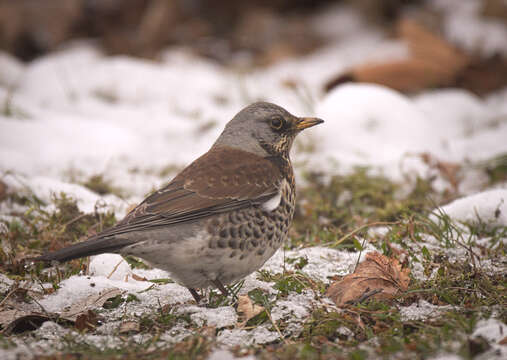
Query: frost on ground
{"x": 78, "y": 113}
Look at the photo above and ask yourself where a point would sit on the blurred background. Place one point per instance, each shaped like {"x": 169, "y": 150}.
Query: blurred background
{"x": 452, "y": 43}
{"x": 130, "y": 91}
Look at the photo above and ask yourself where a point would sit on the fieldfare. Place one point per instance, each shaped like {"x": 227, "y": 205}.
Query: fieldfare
{"x": 223, "y": 216}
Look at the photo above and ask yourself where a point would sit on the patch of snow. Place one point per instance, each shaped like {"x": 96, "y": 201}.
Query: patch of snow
{"x": 111, "y": 266}
{"x": 488, "y": 207}
{"x": 221, "y": 354}
{"x": 446, "y": 357}
{"x": 11, "y": 70}
{"x": 323, "y": 262}
{"x": 133, "y": 119}
{"x": 422, "y": 310}
{"x": 235, "y": 337}
{"x": 219, "y": 317}
{"x": 176, "y": 334}
{"x": 46, "y": 188}
{"x": 296, "y": 308}
{"x": 492, "y": 330}
{"x": 294, "y": 311}
{"x": 361, "y": 127}
{"x": 50, "y": 331}
{"x": 464, "y": 25}
{"x": 5, "y": 283}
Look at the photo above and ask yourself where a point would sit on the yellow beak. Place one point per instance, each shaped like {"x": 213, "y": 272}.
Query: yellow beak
{"x": 306, "y": 122}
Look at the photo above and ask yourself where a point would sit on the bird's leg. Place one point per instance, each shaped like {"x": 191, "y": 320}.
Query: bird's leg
{"x": 220, "y": 287}
{"x": 195, "y": 295}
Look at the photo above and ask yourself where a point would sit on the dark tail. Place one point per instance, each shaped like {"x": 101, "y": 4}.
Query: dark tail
{"x": 93, "y": 246}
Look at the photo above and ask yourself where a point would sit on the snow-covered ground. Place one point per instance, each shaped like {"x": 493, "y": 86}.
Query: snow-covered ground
{"x": 76, "y": 113}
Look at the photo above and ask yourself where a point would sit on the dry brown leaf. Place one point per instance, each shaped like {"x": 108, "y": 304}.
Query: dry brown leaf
{"x": 139, "y": 278}
{"x": 8, "y": 317}
{"x": 87, "y": 321}
{"x": 377, "y": 276}
{"x": 129, "y": 327}
{"x": 403, "y": 75}
{"x": 433, "y": 62}
{"x": 19, "y": 321}
{"x": 247, "y": 309}
{"x": 430, "y": 47}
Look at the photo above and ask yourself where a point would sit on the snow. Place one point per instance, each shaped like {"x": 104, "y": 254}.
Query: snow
{"x": 464, "y": 26}
{"x": 323, "y": 262}
{"x": 240, "y": 337}
{"x": 220, "y": 317}
{"x": 372, "y": 125}
{"x": 10, "y": 70}
{"x": 227, "y": 355}
{"x": 488, "y": 208}
{"x": 361, "y": 127}
{"x": 494, "y": 331}
{"x": 81, "y": 113}
{"x": 491, "y": 329}
{"x": 45, "y": 188}
{"x": 422, "y": 310}
{"x": 5, "y": 283}
{"x": 112, "y": 266}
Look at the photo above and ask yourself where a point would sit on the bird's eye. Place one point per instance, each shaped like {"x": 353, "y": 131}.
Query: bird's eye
{"x": 276, "y": 122}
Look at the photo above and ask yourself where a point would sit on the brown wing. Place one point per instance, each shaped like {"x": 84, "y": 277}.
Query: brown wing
{"x": 221, "y": 180}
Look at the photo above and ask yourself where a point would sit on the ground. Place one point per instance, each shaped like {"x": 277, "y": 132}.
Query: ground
{"x": 421, "y": 179}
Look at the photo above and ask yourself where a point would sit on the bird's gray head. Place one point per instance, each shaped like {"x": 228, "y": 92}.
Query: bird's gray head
{"x": 264, "y": 129}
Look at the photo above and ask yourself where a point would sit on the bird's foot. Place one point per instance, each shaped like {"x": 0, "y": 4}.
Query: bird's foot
{"x": 221, "y": 287}
{"x": 195, "y": 295}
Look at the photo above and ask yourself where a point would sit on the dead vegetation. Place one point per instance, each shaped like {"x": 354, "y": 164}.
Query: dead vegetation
{"x": 368, "y": 322}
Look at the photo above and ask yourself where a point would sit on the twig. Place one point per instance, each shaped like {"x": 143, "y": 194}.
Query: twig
{"x": 8, "y": 295}
{"x": 79, "y": 217}
{"x": 355, "y": 231}
{"x": 114, "y": 269}
{"x": 366, "y": 295}
{"x": 276, "y": 327}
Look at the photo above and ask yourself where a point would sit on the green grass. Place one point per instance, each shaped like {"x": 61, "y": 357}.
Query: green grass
{"x": 336, "y": 212}
{"x": 38, "y": 230}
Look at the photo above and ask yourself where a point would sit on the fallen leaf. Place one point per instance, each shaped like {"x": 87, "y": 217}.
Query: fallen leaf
{"x": 377, "y": 276}
{"x": 91, "y": 302}
{"x": 129, "y": 327}
{"x": 87, "y": 321}
{"x": 433, "y": 62}
{"x": 247, "y": 309}
{"x": 16, "y": 321}
{"x": 428, "y": 46}
{"x": 139, "y": 278}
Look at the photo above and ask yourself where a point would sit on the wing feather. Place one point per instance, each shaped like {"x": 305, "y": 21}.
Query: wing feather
{"x": 221, "y": 180}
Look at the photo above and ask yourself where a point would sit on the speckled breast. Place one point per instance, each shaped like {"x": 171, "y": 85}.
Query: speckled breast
{"x": 252, "y": 235}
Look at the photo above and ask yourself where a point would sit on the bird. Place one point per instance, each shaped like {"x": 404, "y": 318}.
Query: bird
{"x": 223, "y": 216}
